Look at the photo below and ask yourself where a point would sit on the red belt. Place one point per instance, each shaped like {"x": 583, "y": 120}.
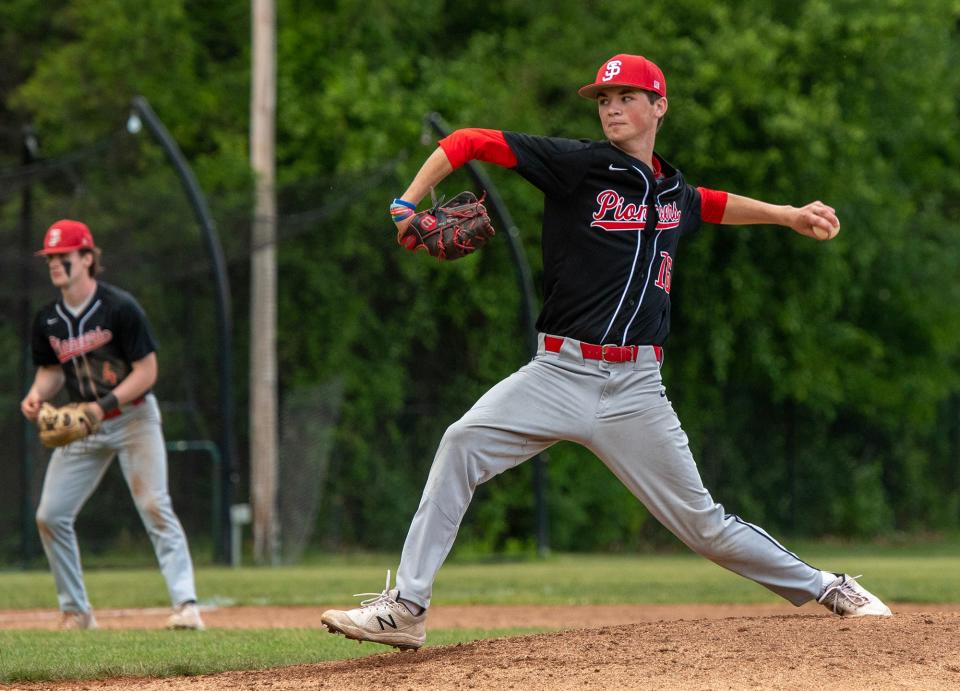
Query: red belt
{"x": 116, "y": 412}
{"x": 607, "y": 353}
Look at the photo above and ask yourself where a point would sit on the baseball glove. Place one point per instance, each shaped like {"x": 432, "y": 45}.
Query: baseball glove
{"x": 60, "y": 426}
{"x": 451, "y": 230}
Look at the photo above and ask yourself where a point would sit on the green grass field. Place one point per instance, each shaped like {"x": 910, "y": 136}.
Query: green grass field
{"x": 55, "y": 655}
{"x": 908, "y": 572}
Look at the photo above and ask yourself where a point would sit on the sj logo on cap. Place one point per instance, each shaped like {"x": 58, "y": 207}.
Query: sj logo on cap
{"x": 613, "y": 69}
{"x": 54, "y": 237}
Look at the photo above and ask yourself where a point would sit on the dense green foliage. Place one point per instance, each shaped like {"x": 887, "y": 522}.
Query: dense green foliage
{"x": 818, "y": 383}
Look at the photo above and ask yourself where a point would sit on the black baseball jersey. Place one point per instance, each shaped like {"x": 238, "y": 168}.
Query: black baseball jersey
{"x": 95, "y": 348}
{"x": 611, "y": 227}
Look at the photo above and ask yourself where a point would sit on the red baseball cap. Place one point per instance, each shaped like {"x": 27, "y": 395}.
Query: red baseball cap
{"x": 65, "y": 236}
{"x": 627, "y": 70}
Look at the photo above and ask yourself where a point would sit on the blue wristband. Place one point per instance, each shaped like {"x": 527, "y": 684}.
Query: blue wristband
{"x": 404, "y": 202}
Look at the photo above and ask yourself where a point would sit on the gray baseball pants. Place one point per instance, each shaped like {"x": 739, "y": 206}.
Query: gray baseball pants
{"x": 620, "y": 412}
{"x": 75, "y": 470}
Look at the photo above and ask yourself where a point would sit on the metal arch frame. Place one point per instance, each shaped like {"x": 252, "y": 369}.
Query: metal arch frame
{"x": 228, "y": 476}
{"x": 28, "y": 543}
{"x": 529, "y": 314}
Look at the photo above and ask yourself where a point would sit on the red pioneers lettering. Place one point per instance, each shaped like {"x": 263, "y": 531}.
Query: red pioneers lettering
{"x": 72, "y": 347}
{"x": 615, "y": 214}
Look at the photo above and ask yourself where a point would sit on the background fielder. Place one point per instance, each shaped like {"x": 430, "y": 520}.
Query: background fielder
{"x": 95, "y": 341}
{"x": 614, "y": 214}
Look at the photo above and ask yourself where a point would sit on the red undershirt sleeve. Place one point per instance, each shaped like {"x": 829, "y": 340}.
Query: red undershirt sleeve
{"x": 712, "y": 204}
{"x": 478, "y": 144}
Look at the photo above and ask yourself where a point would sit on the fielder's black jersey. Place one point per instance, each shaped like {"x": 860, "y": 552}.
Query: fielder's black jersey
{"x": 611, "y": 228}
{"x": 95, "y": 348}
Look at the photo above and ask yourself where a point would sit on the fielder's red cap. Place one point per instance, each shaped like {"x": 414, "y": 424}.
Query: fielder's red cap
{"x": 627, "y": 70}
{"x": 65, "y": 236}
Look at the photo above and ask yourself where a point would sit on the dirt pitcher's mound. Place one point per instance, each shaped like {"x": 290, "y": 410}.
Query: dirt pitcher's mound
{"x": 913, "y": 650}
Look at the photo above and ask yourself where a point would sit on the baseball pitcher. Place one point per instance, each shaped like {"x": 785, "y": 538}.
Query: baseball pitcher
{"x": 96, "y": 342}
{"x": 614, "y": 214}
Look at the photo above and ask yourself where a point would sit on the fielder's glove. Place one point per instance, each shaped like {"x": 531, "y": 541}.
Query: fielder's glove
{"x": 60, "y": 426}
{"x": 451, "y": 230}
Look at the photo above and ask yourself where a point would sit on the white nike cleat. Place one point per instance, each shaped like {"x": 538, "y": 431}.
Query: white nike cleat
{"x": 77, "y": 621}
{"x": 380, "y": 619}
{"x": 848, "y": 598}
{"x": 185, "y": 616}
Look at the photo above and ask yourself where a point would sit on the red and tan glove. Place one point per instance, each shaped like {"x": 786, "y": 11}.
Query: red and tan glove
{"x": 451, "y": 230}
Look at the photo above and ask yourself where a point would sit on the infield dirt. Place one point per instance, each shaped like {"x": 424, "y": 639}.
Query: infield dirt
{"x": 633, "y": 647}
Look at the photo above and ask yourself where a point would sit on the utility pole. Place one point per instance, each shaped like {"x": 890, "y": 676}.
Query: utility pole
{"x": 263, "y": 288}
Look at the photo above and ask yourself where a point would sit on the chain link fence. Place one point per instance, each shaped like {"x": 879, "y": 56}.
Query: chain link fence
{"x": 373, "y": 347}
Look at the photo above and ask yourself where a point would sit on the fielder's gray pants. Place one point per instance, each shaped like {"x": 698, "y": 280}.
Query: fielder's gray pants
{"x": 619, "y": 412}
{"x": 74, "y": 472}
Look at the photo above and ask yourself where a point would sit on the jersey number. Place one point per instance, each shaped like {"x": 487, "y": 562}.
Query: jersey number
{"x": 666, "y": 271}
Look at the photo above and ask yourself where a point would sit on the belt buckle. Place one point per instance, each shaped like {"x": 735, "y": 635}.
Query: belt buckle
{"x": 603, "y": 351}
